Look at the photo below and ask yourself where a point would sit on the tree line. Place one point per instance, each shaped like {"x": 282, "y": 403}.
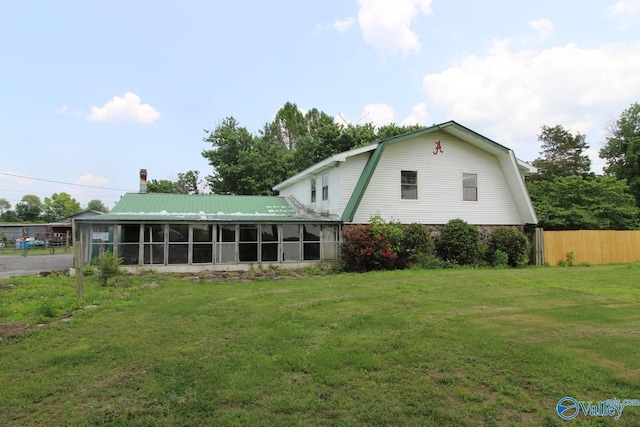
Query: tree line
{"x": 567, "y": 195}
{"x": 55, "y": 208}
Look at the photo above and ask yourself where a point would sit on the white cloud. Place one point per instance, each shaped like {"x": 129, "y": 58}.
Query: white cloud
{"x": 627, "y": 10}
{"x": 64, "y": 110}
{"x": 419, "y": 116}
{"x": 386, "y": 25}
{"x": 543, "y": 27}
{"x": 344, "y": 24}
{"x": 89, "y": 179}
{"x": 124, "y": 109}
{"x": 378, "y": 114}
{"x": 511, "y": 93}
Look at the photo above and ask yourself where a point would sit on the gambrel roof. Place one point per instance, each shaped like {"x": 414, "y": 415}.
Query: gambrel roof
{"x": 513, "y": 168}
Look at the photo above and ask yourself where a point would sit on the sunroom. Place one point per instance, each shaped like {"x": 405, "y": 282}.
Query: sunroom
{"x": 190, "y": 233}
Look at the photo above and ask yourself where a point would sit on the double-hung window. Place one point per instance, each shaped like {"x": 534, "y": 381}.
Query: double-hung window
{"x": 313, "y": 190}
{"x": 409, "y": 185}
{"x": 325, "y": 186}
{"x": 469, "y": 187}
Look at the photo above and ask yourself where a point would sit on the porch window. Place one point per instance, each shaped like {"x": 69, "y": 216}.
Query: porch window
{"x": 202, "y": 243}
{"x": 409, "y": 185}
{"x": 269, "y": 242}
{"x": 311, "y": 242}
{"x": 129, "y": 244}
{"x": 154, "y": 244}
{"x": 469, "y": 187}
{"x": 330, "y": 242}
{"x": 178, "y": 243}
{"x": 248, "y": 246}
{"x": 226, "y": 245}
{"x": 291, "y": 242}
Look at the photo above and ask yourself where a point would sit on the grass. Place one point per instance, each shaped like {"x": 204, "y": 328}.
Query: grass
{"x": 436, "y": 347}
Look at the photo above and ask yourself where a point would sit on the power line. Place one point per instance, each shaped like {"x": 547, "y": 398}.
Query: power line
{"x": 65, "y": 183}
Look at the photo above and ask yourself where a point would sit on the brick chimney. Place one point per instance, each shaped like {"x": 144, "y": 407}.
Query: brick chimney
{"x": 143, "y": 181}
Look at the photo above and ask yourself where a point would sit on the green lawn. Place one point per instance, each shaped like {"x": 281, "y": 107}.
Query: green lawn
{"x": 419, "y": 347}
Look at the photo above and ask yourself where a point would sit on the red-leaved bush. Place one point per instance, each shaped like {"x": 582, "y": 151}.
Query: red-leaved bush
{"x": 364, "y": 249}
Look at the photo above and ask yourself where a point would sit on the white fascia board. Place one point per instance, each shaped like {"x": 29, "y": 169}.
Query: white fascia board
{"x": 325, "y": 164}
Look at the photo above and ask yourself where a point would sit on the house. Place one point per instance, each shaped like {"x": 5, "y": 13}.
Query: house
{"x": 191, "y": 233}
{"x": 429, "y": 176}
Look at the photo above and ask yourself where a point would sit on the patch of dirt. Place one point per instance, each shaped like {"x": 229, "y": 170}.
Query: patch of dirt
{"x": 9, "y": 329}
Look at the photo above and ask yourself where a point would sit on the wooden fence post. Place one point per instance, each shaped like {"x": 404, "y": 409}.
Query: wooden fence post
{"x": 78, "y": 266}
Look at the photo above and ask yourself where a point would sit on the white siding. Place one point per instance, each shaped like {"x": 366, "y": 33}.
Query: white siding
{"x": 439, "y": 184}
{"x": 350, "y": 172}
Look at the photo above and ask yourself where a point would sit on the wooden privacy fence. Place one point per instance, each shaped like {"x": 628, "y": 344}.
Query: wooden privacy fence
{"x": 592, "y": 246}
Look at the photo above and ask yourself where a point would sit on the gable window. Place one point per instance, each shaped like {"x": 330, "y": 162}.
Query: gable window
{"x": 409, "y": 185}
{"x": 313, "y": 190}
{"x": 469, "y": 187}
{"x": 325, "y": 186}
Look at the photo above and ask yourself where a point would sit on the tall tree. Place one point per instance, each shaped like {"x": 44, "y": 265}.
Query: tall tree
{"x": 622, "y": 149}
{"x": 4, "y": 206}
{"x": 60, "y": 206}
{"x": 29, "y": 208}
{"x": 289, "y": 126}
{"x": 562, "y": 153}
{"x": 97, "y": 205}
{"x": 229, "y": 141}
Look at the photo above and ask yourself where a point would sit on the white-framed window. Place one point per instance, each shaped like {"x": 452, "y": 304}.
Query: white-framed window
{"x": 313, "y": 190}
{"x": 325, "y": 186}
{"x": 409, "y": 185}
{"x": 470, "y": 187}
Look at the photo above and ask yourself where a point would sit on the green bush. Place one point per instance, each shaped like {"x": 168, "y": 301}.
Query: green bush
{"x": 107, "y": 266}
{"x": 459, "y": 242}
{"x": 512, "y": 242}
{"x": 500, "y": 259}
{"x": 416, "y": 247}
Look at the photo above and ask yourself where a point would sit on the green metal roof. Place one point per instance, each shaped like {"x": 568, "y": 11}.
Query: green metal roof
{"x": 200, "y": 207}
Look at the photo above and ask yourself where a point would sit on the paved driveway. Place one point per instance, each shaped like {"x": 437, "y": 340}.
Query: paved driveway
{"x": 33, "y": 264}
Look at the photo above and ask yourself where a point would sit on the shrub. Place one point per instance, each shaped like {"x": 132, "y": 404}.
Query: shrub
{"x": 512, "y": 242}
{"x": 416, "y": 247}
{"x": 500, "y": 259}
{"x": 459, "y": 242}
{"x": 365, "y": 249}
{"x": 107, "y": 266}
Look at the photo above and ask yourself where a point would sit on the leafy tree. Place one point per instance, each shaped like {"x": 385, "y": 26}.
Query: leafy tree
{"x": 97, "y": 205}
{"x": 187, "y": 183}
{"x": 60, "y": 206}
{"x": 10, "y": 216}
{"x": 4, "y": 206}
{"x": 577, "y": 203}
{"x": 229, "y": 140}
{"x": 622, "y": 149}
{"x": 562, "y": 153}
{"x": 29, "y": 208}
{"x": 289, "y": 126}
{"x": 247, "y": 164}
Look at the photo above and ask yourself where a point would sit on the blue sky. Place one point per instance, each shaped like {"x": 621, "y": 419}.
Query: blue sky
{"x": 90, "y": 92}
